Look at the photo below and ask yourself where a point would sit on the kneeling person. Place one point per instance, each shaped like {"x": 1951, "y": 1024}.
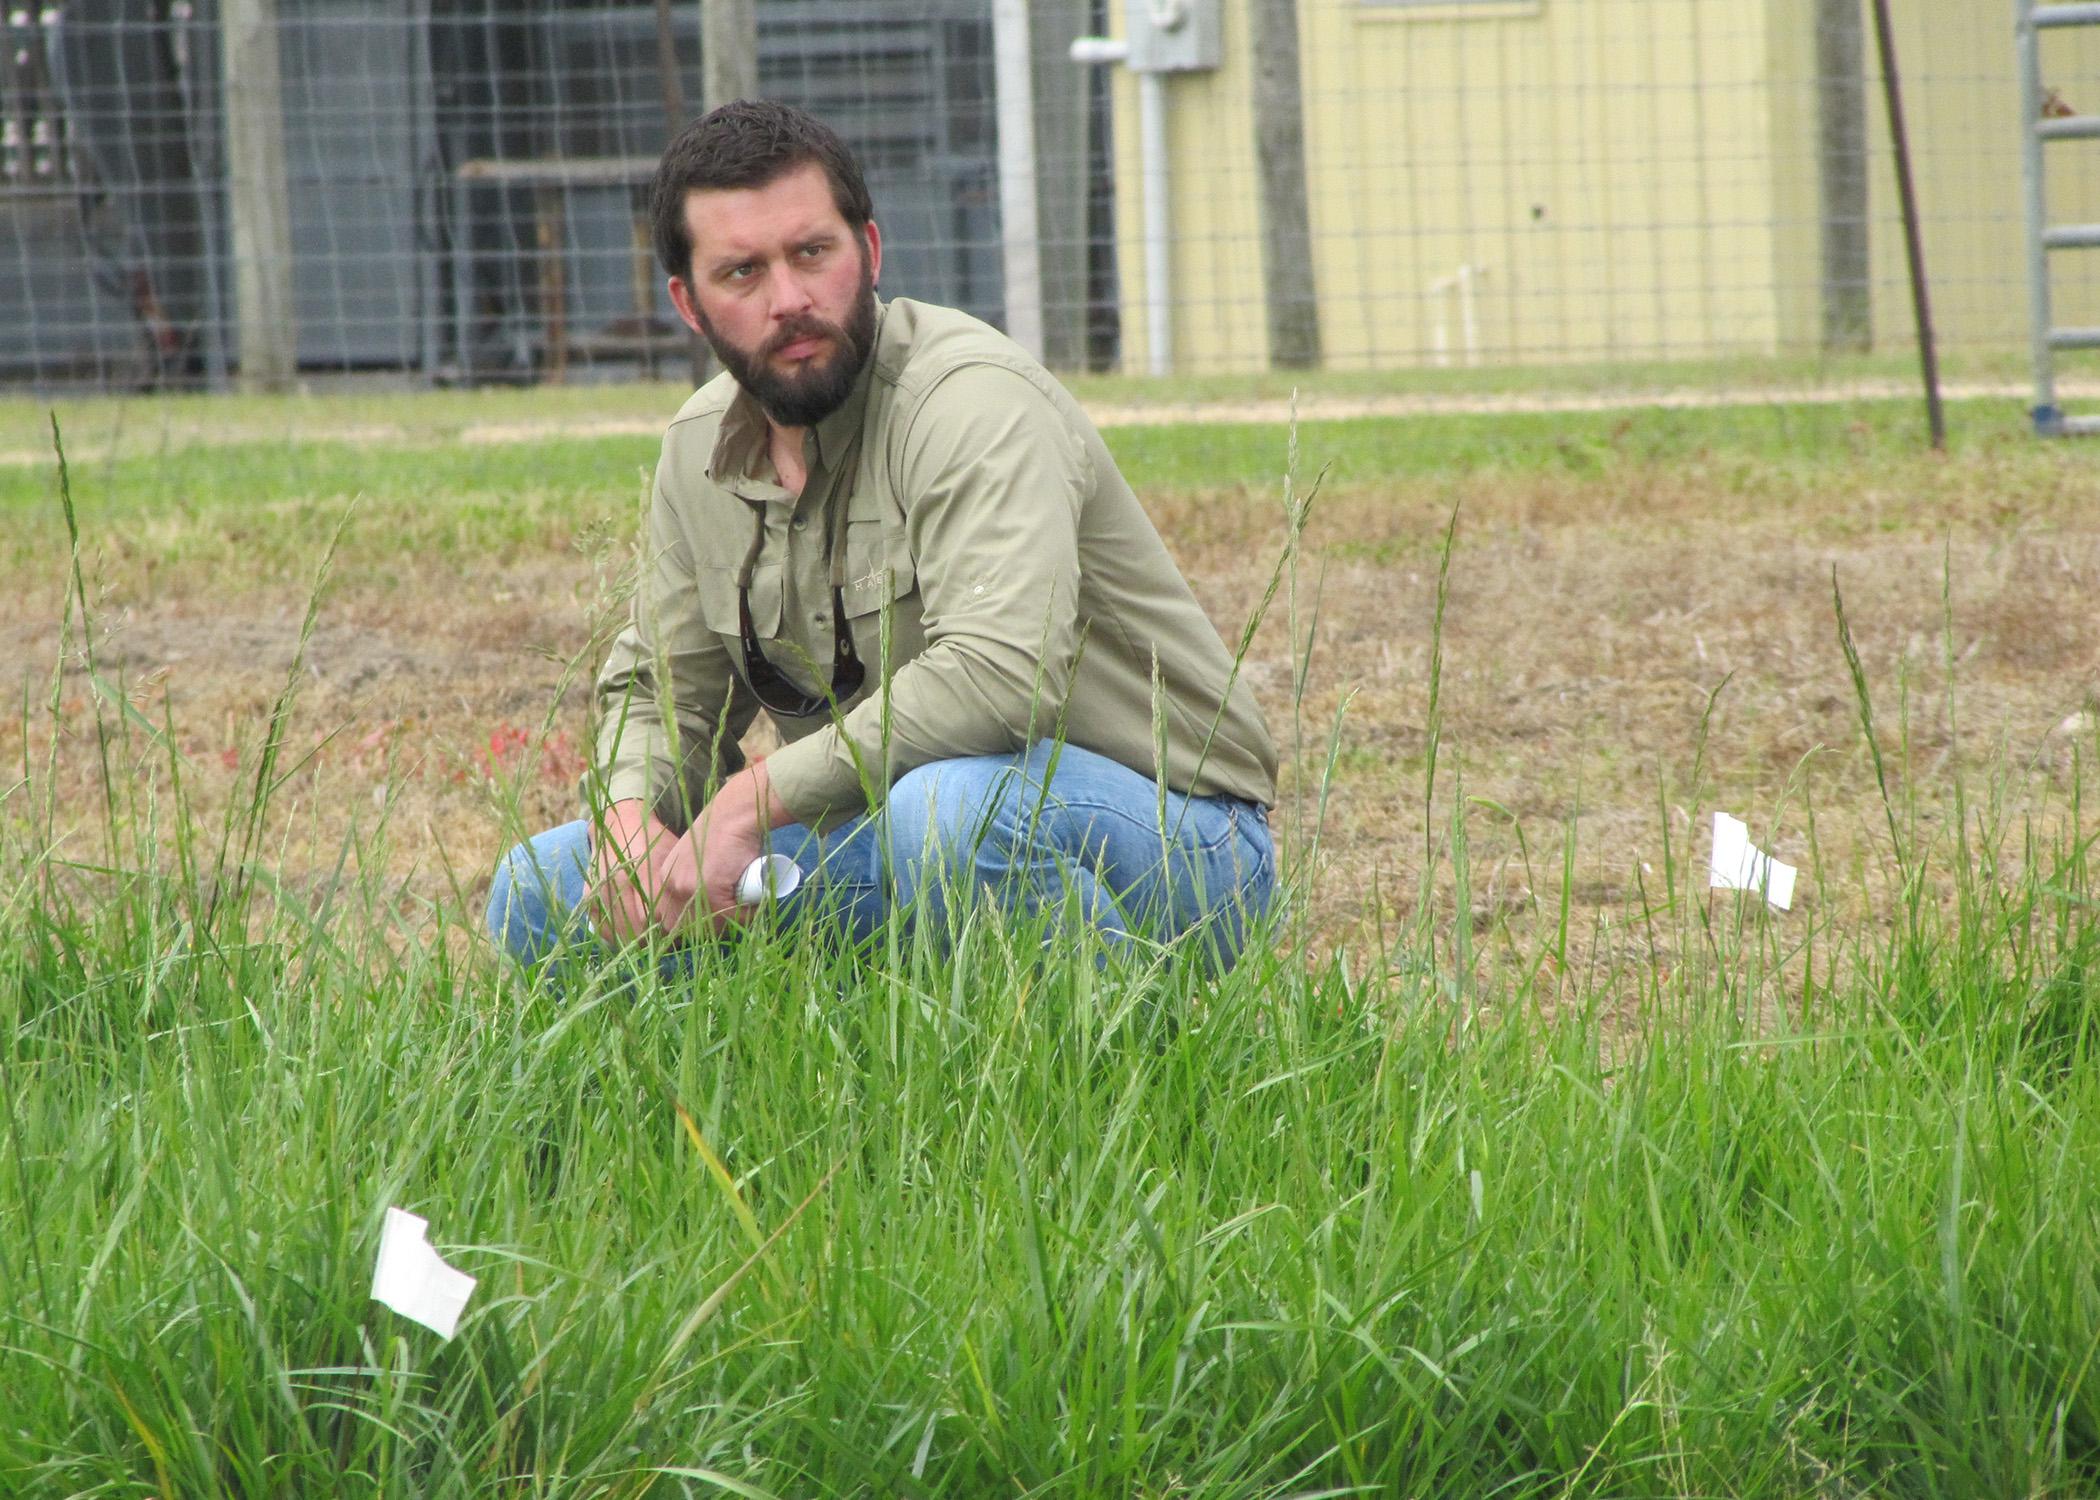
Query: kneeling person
{"x": 887, "y": 526}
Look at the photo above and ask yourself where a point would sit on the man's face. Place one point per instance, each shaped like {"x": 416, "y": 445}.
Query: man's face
{"x": 784, "y": 292}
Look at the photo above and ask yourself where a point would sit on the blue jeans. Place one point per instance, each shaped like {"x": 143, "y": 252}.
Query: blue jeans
{"x": 1029, "y": 831}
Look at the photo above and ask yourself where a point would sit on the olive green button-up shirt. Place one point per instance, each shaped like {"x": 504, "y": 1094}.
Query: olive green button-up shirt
{"x": 1001, "y": 582}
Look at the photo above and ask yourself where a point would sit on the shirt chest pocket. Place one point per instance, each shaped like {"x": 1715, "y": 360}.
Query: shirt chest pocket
{"x": 718, "y": 601}
{"x": 879, "y": 571}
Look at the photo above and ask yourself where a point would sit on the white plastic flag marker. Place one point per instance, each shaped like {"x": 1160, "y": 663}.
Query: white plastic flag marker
{"x": 414, "y": 1280}
{"x": 772, "y": 875}
{"x": 1740, "y": 865}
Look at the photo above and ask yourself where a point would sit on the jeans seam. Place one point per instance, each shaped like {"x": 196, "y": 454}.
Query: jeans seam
{"x": 1232, "y": 826}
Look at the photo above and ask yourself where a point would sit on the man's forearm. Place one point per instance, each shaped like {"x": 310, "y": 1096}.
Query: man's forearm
{"x": 665, "y": 695}
{"x": 625, "y": 818}
{"x": 629, "y": 848}
{"x": 744, "y": 810}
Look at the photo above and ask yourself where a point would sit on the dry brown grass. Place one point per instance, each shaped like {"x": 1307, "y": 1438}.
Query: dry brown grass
{"x": 1587, "y": 628}
{"x": 1590, "y": 620}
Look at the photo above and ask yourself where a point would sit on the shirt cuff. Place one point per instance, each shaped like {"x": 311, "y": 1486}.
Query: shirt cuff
{"x": 628, "y": 784}
{"x": 816, "y": 781}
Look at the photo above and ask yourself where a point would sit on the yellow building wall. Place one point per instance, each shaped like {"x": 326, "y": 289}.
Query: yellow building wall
{"x": 1592, "y": 169}
{"x": 1625, "y": 179}
{"x": 1796, "y": 241}
{"x": 1555, "y": 149}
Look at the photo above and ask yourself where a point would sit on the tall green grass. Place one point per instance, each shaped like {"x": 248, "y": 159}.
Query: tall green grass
{"x": 1817, "y": 1220}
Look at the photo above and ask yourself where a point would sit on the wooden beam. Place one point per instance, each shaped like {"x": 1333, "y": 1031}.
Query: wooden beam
{"x": 259, "y": 196}
{"x": 1279, "y": 156}
{"x": 728, "y": 51}
{"x": 1841, "y": 174}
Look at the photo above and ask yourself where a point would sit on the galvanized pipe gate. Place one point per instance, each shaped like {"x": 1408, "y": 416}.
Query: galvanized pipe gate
{"x": 2038, "y": 128}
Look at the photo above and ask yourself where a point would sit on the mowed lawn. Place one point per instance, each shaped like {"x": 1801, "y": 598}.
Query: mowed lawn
{"x": 1513, "y": 1161}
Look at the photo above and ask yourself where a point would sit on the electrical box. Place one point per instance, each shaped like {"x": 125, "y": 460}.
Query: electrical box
{"x": 1174, "y": 36}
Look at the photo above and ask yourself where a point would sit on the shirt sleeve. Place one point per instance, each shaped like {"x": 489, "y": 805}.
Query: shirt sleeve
{"x": 668, "y": 703}
{"x": 993, "y": 480}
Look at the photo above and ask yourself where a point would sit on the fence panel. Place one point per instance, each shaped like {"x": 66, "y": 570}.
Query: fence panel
{"x": 1436, "y": 182}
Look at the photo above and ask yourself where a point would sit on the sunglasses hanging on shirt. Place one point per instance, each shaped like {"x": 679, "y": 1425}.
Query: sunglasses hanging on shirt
{"x": 775, "y": 691}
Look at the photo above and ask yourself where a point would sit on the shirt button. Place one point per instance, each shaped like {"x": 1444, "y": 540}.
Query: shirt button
{"x": 802, "y": 523}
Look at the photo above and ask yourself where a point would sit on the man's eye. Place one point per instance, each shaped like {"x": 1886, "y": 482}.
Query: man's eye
{"x": 742, "y": 272}
{"x": 811, "y": 252}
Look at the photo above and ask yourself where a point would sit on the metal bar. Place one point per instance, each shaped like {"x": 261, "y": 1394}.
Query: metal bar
{"x": 2072, "y": 237}
{"x": 2080, "y": 427}
{"x": 1913, "y": 244}
{"x": 2074, "y": 338}
{"x": 2067, "y": 15}
{"x": 2069, "y": 128}
{"x": 2028, "y": 50}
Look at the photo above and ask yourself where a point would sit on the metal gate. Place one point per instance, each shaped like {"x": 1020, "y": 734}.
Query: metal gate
{"x": 2042, "y": 124}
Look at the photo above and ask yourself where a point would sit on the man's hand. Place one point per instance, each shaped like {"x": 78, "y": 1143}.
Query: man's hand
{"x": 644, "y": 878}
{"x": 642, "y": 875}
{"x": 731, "y": 832}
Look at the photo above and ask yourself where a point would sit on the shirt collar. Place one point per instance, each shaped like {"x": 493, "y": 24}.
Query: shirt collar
{"x": 740, "y": 450}
{"x": 740, "y": 444}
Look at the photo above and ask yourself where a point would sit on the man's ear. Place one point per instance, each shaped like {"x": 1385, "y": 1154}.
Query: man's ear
{"x": 682, "y": 299}
{"x": 871, "y": 236}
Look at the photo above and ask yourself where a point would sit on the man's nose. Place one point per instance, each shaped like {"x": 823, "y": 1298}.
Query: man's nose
{"x": 790, "y": 296}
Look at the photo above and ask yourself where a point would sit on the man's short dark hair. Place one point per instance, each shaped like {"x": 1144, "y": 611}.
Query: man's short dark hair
{"x": 747, "y": 144}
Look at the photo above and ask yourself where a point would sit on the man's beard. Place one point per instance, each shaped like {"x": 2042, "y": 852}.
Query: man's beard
{"x": 807, "y": 396}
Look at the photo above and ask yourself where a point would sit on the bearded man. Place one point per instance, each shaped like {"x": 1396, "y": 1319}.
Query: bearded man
{"x": 890, "y": 529}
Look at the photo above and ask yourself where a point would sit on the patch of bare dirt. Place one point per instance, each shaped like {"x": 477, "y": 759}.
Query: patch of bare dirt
{"x": 1621, "y": 655}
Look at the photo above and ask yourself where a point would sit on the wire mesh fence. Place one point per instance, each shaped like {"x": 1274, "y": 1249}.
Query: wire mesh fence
{"x": 1217, "y": 185}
